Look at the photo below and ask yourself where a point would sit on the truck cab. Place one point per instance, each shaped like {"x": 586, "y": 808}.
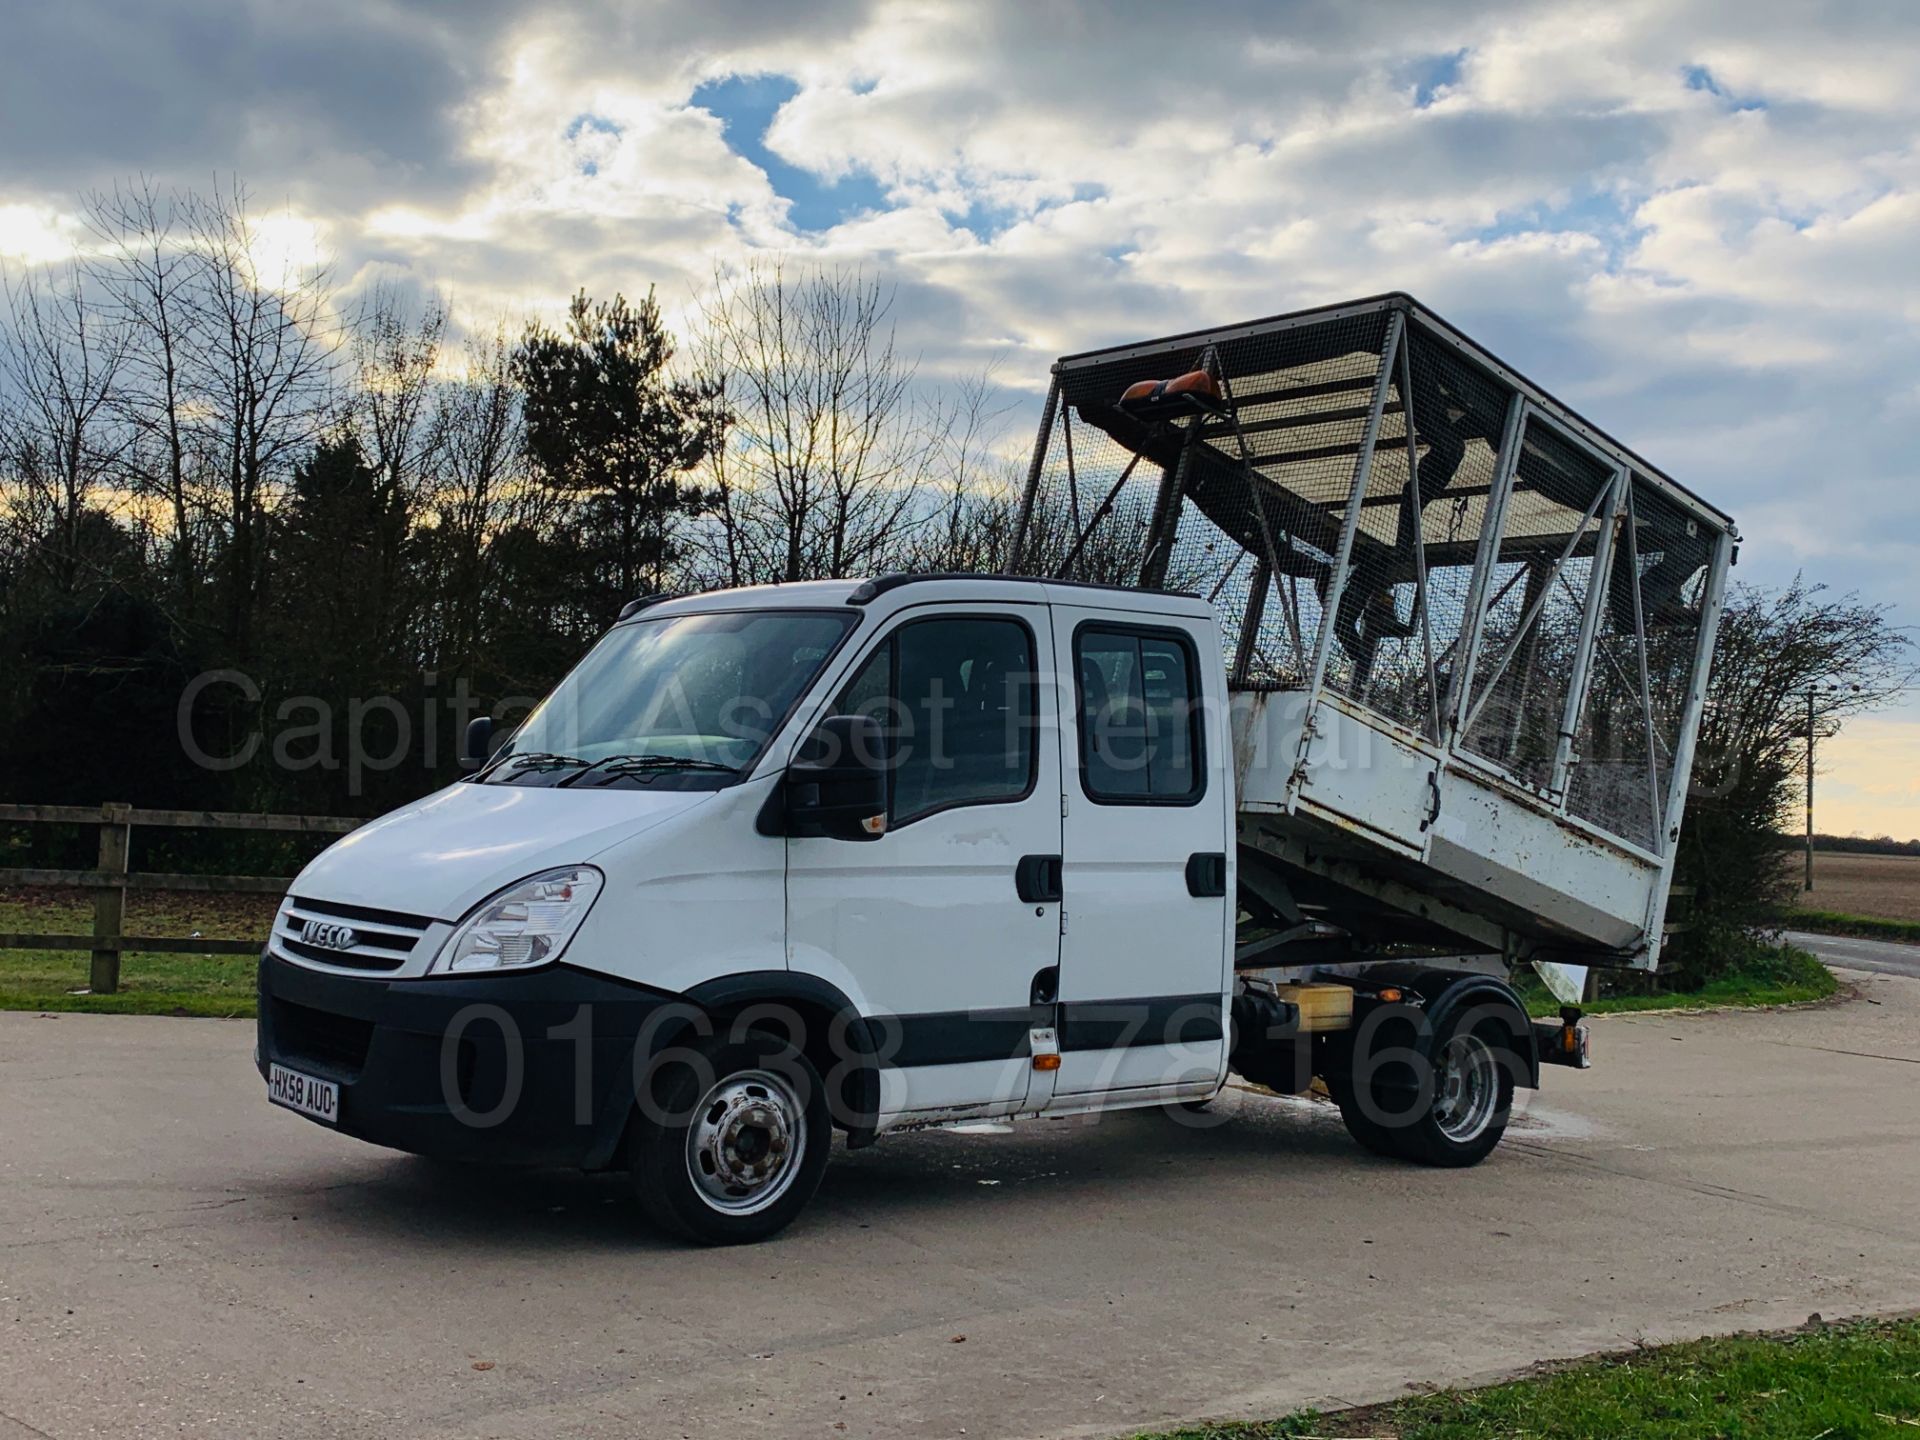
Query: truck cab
{"x": 901, "y": 852}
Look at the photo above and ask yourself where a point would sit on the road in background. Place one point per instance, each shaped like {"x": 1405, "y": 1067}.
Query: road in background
{"x": 1882, "y": 957}
{"x": 177, "y": 1257}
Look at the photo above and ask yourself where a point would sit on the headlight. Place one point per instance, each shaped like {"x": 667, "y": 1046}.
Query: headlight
{"x": 527, "y": 924}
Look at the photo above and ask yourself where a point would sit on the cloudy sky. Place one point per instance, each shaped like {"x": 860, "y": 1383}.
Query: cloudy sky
{"x": 1698, "y": 221}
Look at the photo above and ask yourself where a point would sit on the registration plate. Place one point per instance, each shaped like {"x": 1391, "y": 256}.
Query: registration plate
{"x": 318, "y": 1098}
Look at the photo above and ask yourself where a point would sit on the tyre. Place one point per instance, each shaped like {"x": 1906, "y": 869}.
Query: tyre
{"x": 736, "y": 1144}
{"x": 1456, "y": 1118}
{"x": 1472, "y": 1097}
{"x": 1362, "y": 1120}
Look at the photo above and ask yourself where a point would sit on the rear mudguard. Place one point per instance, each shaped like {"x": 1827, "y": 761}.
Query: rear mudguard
{"x": 1441, "y": 994}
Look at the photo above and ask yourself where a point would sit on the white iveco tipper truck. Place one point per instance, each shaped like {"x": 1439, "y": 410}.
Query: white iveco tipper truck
{"x": 1337, "y": 671}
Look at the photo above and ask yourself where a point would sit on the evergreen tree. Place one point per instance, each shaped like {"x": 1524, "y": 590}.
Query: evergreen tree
{"x": 609, "y": 427}
{"x": 334, "y": 571}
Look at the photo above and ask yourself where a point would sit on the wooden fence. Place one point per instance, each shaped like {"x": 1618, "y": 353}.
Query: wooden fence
{"x": 111, "y": 879}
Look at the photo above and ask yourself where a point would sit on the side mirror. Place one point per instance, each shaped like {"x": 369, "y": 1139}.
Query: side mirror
{"x": 477, "y": 748}
{"x": 836, "y": 788}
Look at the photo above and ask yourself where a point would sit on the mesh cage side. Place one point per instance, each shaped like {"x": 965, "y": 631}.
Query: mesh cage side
{"x": 1244, "y": 502}
{"x": 1263, "y": 482}
{"x": 1094, "y": 494}
{"x": 1387, "y": 624}
{"x": 1631, "y": 723}
{"x": 1536, "y": 597}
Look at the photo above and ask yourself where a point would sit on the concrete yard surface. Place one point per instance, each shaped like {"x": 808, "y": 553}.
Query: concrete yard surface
{"x": 179, "y": 1258}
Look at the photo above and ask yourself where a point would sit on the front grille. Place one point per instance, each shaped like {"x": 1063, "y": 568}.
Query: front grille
{"x": 303, "y": 1033}
{"x": 382, "y": 939}
{"x": 355, "y": 959}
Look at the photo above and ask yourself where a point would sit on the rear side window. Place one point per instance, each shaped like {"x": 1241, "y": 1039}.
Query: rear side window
{"x": 1139, "y": 717}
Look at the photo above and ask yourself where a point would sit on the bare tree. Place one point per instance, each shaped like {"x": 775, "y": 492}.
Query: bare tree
{"x": 60, "y": 367}
{"x": 830, "y": 448}
{"x": 394, "y": 356}
{"x": 146, "y": 277}
{"x": 1777, "y": 651}
{"x": 479, "y": 488}
{"x": 266, "y": 368}
{"x": 970, "y": 525}
{"x": 394, "y": 351}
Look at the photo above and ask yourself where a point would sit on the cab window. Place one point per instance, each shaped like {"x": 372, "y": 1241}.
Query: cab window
{"x": 1138, "y": 694}
{"x": 955, "y": 700}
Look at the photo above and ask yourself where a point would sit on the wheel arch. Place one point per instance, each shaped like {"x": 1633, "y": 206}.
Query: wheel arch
{"x": 833, "y": 1035}
{"x": 1446, "y": 993}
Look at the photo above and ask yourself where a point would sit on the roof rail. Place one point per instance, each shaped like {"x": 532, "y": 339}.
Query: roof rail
{"x": 868, "y": 591}
{"x": 635, "y": 606}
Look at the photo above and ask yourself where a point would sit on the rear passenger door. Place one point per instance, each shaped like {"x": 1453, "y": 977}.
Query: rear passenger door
{"x": 1143, "y": 961}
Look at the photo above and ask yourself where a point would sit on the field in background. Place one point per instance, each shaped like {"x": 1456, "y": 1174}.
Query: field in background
{"x": 217, "y": 985}
{"x": 1885, "y": 887}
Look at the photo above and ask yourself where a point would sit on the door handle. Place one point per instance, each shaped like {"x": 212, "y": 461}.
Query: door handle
{"x": 1037, "y": 879}
{"x": 1207, "y": 874}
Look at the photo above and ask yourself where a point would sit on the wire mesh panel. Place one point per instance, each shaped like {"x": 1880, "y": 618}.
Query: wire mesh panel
{"x": 1095, "y": 497}
{"x": 1536, "y": 597}
{"x": 1636, "y": 696}
{"x": 1240, "y": 500}
{"x": 1474, "y": 579}
{"x": 1401, "y": 620}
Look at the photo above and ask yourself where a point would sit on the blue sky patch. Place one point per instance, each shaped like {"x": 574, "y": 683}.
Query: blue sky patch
{"x": 1433, "y": 74}
{"x": 987, "y": 219}
{"x": 745, "y": 106}
{"x": 1698, "y": 77}
{"x": 1605, "y": 214}
{"x": 587, "y": 123}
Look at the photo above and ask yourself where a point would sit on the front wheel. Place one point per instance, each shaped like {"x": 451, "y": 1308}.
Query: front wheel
{"x": 736, "y": 1141}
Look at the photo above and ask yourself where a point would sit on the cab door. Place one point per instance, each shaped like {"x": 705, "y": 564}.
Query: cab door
{"x": 945, "y": 923}
{"x": 1146, "y": 843}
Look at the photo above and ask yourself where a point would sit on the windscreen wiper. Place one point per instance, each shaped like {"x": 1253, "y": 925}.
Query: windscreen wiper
{"x": 537, "y": 760}
{"x": 618, "y": 766}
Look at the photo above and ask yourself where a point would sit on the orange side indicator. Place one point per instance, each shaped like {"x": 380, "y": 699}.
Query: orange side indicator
{"x": 1046, "y": 1062}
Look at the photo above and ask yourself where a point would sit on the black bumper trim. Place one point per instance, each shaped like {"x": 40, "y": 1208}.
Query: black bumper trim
{"x": 467, "y": 1068}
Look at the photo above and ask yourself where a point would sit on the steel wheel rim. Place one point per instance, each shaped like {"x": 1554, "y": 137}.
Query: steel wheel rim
{"x": 746, "y": 1142}
{"x": 1466, "y": 1089}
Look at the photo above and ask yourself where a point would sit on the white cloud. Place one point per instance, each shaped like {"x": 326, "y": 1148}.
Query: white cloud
{"x": 1695, "y": 221}
{"x": 38, "y": 234}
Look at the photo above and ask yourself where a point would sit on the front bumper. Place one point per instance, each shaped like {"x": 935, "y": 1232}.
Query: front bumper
{"x": 467, "y": 1069}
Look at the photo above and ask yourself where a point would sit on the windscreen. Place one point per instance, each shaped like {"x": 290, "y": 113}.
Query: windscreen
{"x": 685, "y": 701}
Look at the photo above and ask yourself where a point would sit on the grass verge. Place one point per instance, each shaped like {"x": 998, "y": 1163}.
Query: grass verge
{"x": 1834, "y": 1382}
{"x": 1865, "y": 927}
{"x": 210, "y": 985}
{"x": 157, "y": 984}
{"x": 1769, "y": 975}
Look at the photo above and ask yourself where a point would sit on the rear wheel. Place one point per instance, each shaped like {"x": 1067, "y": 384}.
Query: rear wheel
{"x": 1364, "y": 1120}
{"x": 1472, "y": 1098}
{"x": 736, "y": 1144}
{"x": 1455, "y": 1115}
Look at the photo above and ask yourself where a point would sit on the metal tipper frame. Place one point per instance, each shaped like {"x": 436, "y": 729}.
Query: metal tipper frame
{"x": 1406, "y": 619}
